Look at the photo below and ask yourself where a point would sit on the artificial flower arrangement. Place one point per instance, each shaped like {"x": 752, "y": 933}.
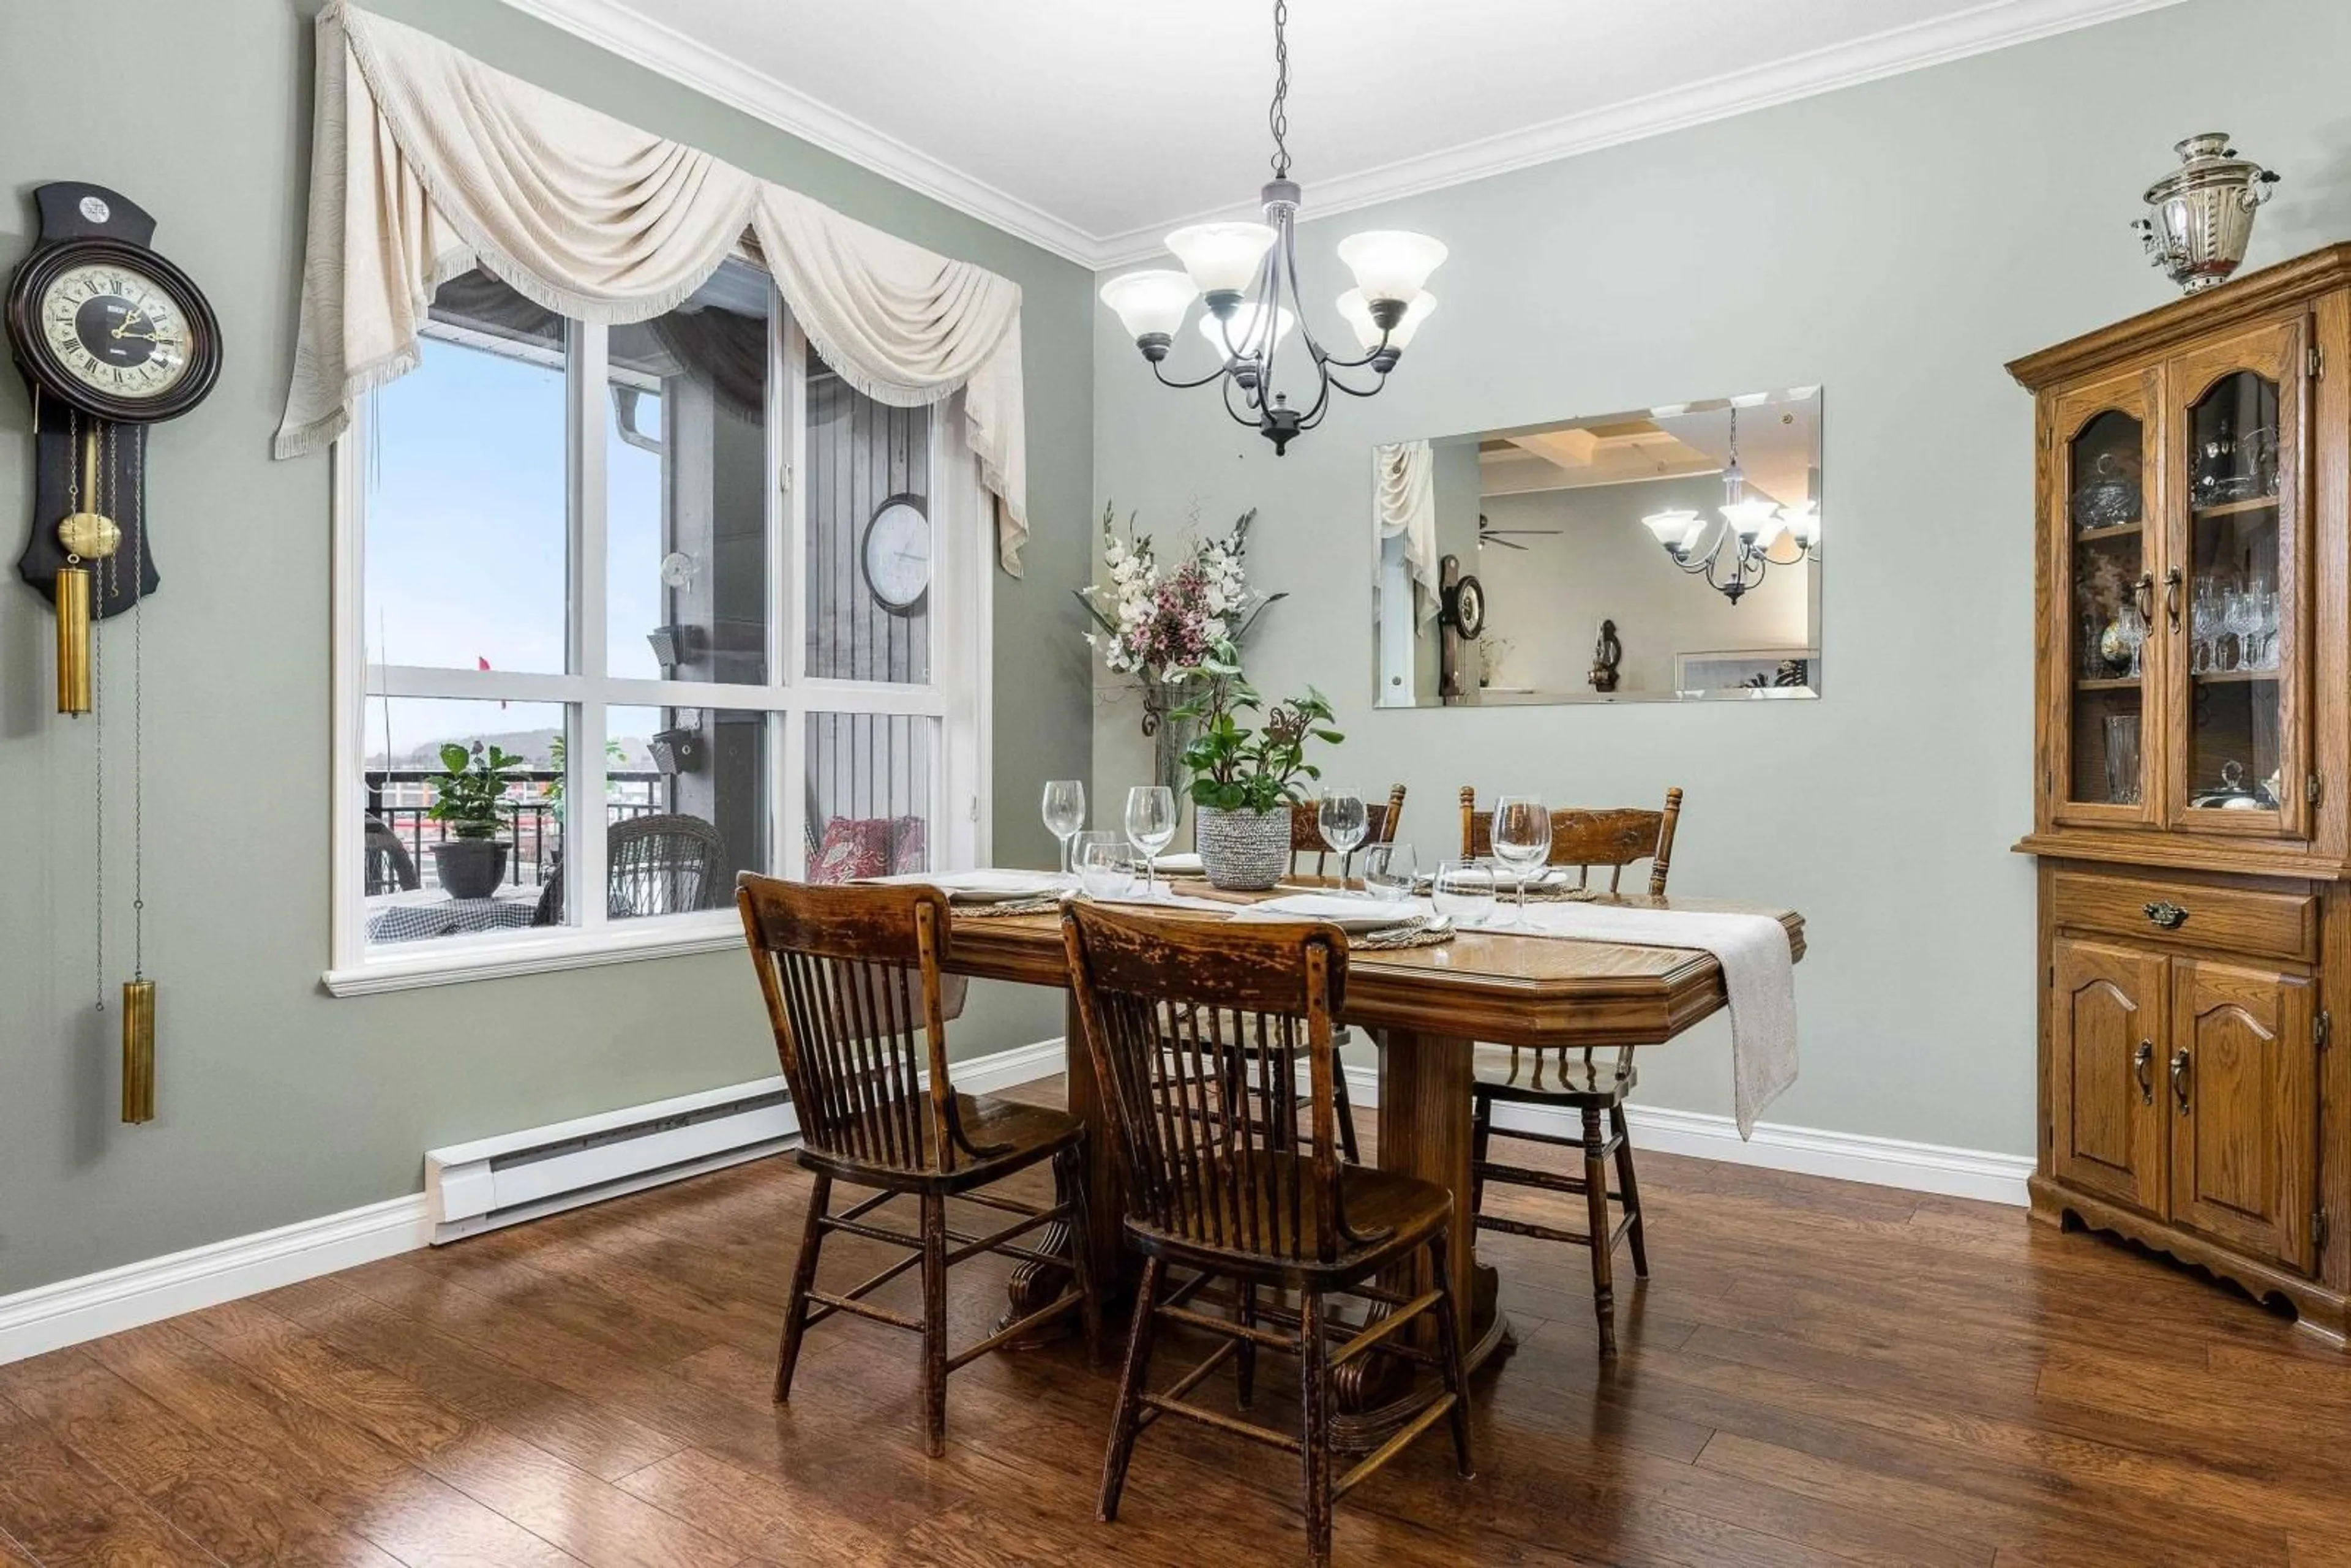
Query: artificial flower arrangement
{"x": 1153, "y": 620}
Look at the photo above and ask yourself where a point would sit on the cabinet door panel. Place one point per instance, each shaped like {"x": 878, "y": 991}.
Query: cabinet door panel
{"x": 2101, "y": 496}
{"x": 2243, "y": 1083}
{"x": 2106, "y": 1034}
{"x": 2236, "y": 593}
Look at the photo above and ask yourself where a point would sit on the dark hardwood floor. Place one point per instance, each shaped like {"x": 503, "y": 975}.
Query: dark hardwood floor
{"x": 1818, "y": 1372}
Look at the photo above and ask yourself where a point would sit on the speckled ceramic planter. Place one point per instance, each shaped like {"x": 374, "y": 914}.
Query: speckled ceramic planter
{"x": 1244, "y": 851}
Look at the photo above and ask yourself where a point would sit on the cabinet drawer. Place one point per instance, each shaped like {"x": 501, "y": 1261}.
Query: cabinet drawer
{"x": 2233, "y": 919}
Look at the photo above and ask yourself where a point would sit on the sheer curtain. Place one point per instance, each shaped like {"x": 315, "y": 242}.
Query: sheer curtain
{"x": 426, "y": 164}
{"x": 1404, "y": 496}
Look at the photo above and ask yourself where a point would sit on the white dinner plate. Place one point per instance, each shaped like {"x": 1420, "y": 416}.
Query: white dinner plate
{"x": 986, "y": 885}
{"x": 1347, "y": 913}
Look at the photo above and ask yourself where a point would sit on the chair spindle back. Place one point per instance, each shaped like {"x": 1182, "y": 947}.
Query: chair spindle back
{"x": 1584, "y": 838}
{"x": 1306, "y": 829}
{"x": 851, "y": 975}
{"x": 1189, "y": 1024}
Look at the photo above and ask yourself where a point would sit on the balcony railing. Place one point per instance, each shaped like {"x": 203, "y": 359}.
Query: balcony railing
{"x": 402, "y": 799}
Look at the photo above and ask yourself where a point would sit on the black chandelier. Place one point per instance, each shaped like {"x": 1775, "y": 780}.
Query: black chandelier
{"x": 1750, "y": 526}
{"x": 1247, "y": 275}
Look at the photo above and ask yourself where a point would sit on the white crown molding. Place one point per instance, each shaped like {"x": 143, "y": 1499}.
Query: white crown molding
{"x": 711, "y": 72}
{"x": 1996, "y": 25}
{"x": 707, "y": 70}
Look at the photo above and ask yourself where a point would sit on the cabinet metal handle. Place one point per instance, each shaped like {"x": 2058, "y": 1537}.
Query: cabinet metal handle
{"x": 2143, "y": 1063}
{"x": 2144, "y": 594}
{"x": 2180, "y": 1076}
{"x": 2172, "y": 581}
{"x": 2165, "y": 914}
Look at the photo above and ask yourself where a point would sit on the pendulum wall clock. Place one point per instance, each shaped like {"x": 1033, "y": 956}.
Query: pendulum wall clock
{"x": 110, "y": 339}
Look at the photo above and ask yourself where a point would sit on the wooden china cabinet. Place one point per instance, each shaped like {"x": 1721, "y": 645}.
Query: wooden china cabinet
{"x": 2192, "y": 761}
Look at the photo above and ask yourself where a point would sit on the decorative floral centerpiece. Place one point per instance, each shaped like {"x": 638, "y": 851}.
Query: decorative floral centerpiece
{"x": 1155, "y": 621}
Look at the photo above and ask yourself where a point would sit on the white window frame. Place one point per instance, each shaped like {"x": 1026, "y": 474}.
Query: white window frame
{"x": 962, "y": 647}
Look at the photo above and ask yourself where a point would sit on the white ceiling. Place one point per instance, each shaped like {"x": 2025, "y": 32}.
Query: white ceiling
{"x": 1093, "y": 126}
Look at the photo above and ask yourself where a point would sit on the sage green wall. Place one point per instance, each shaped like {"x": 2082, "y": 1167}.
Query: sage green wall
{"x": 1895, "y": 241}
{"x": 279, "y": 1104}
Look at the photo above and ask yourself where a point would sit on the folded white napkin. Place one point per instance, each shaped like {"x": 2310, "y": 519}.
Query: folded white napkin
{"x": 1759, "y": 974}
{"x": 1183, "y": 863}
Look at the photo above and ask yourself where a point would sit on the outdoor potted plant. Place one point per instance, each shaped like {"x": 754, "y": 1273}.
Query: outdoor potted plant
{"x": 470, "y": 799}
{"x": 1243, "y": 780}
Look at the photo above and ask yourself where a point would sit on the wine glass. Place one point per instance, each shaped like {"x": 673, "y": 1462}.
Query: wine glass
{"x": 2238, "y": 618}
{"x": 1342, "y": 822}
{"x": 1106, "y": 865}
{"x": 1390, "y": 872}
{"x": 1463, "y": 892}
{"x": 1065, "y": 813}
{"x": 1521, "y": 836}
{"x": 1150, "y": 828}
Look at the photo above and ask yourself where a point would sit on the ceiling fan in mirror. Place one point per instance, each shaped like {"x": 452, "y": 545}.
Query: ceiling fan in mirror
{"x": 1488, "y": 534}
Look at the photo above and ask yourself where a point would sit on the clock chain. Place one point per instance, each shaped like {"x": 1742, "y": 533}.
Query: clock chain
{"x": 98, "y": 691}
{"x": 137, "y": 522}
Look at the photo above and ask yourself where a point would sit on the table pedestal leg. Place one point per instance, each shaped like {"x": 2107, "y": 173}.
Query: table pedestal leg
{"x": 1425, "y": 1108}
{"x": 1035, "y": 1286}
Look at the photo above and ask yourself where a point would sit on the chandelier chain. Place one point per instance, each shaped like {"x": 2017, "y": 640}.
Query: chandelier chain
{"x": 1276, "y": 117}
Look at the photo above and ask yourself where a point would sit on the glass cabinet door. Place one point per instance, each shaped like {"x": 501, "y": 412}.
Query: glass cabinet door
{"x": 2101, "y": 744}
{"x": 2233, "y": 587}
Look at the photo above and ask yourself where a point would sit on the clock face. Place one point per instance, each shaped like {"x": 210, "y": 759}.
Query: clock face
{"x": 1469, "y": 606}
{"x": 897, "y": 555}
{"x": 115, "y": 329}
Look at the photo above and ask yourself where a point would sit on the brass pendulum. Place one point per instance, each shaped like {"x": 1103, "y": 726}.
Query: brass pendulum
{"x": 73, "y": 640}
{"x": 138, "y": 1050}
{"x": 88, "y": 535}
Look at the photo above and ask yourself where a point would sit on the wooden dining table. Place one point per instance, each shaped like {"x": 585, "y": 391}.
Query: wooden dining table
{"x": 1424, "y": 1007}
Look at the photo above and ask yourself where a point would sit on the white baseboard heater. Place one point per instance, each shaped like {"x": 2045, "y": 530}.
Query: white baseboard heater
{"x": 491, "y": 1182}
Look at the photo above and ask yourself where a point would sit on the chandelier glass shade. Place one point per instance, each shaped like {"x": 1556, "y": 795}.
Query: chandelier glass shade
{"x": 1245, "y": 276}
{"x": 1747, "y": 528}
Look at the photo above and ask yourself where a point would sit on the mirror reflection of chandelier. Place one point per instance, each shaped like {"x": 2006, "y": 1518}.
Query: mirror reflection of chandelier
{"x": 1247, "y": 275}
{"x": 1749, "y": 527}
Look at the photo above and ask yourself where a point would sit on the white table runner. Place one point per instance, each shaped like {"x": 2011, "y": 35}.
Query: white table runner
{"x": 1758, "y": 975}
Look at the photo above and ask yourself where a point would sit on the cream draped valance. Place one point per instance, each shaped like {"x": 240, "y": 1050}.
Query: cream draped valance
{"x": 1404, "y": 498}
{"x": 425, "y": 163}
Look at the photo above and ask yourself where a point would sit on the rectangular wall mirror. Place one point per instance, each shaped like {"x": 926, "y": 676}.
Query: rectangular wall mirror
{"x": 1667, "y": 554}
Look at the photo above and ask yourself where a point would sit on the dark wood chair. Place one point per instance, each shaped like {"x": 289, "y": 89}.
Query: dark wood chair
{"x": 390, "y": 868}
{"x": 1168, "y": 1005}
{"x": 661, "y": 864}
{"x": 841, "y": 967}
{"x": 1567, "y": 1080}
{"x": 1306, "y": 838}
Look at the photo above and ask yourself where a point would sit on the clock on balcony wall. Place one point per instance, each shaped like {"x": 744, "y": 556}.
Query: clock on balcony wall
{"x": 896, "y": 555}
{"x": 110, "y": 337}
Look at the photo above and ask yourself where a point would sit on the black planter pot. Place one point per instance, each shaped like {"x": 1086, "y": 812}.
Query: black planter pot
{"x": 470, "y": 868}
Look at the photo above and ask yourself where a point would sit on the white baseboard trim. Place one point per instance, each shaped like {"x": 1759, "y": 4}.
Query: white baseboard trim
{"x": 69, "y": 1312}
{"x": 1846, "y": 1156}
{"x": 49, "y": 1317}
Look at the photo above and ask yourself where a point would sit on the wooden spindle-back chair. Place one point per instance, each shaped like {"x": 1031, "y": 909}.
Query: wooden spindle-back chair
{"x": 1306, "y": 838}
{"x": 1569, "y": 1080}
{"x": 851, "y": 975}
{"x": 1170, "y": 1006}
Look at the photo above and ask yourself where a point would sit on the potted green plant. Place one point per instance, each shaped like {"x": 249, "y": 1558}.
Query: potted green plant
{"x": 1244, "y": 778}
{"x": 470, "y": 799}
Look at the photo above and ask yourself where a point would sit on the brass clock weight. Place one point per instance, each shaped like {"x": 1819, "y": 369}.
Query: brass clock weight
{"x": 110, "y": 337}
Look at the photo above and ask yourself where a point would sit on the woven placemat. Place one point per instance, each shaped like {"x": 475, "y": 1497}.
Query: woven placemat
{"x": 1008, "y": 907}
{"x": 1413, "y": 933}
